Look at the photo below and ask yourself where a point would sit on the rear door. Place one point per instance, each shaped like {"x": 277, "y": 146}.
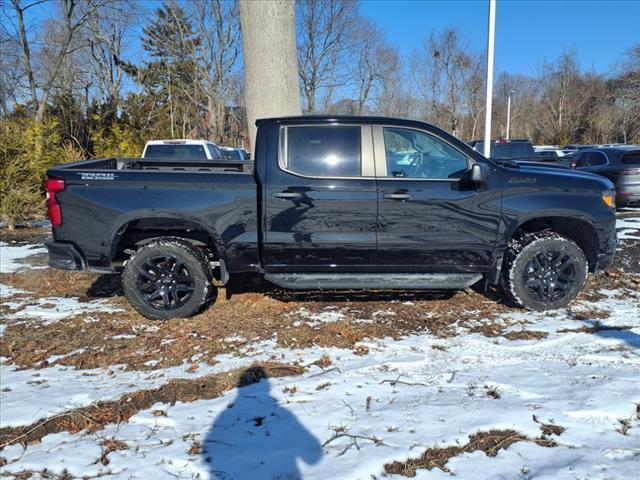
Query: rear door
{"x": 320, "y": 200}
{"x": 431, "y": 218}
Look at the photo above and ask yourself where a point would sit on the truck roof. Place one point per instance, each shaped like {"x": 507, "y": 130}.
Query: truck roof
{"x": 179, "y": 141}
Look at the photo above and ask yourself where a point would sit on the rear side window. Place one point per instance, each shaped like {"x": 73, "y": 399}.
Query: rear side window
{"x": 631, "y": 158}
{"x": 176, "y": 152}
{"x": 593, "y": 159}
{"x": 319, "y": 151}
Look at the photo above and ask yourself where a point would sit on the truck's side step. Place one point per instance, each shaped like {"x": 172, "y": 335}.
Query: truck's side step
{"x": 402, "y": 281}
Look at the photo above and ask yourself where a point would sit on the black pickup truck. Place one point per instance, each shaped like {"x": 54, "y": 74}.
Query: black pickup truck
{"x": 333, "y": 203}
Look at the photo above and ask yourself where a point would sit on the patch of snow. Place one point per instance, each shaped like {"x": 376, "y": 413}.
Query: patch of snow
{"x": 54, "y": 358}
{"x": 9, "y": 254}
{"x": 234, "y": 339}
{"x": 7, "y": 291}
{"x": 124, "y": 336}
{"x": 628, "y": 228}
{"x": 49, "y": 310}
{"x": 329, "y": 315}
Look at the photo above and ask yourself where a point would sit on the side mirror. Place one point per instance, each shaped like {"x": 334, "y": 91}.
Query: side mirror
{"x": 477, "y": 174}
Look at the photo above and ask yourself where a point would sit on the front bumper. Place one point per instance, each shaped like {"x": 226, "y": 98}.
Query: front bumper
{"x": 65, "y": 256}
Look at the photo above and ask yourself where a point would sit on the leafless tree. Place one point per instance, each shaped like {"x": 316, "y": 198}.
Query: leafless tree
{"x": 74, "y": 15}
{"x": 324, "y": 30}
{"x": 106, "y": 33}
{"x": 11, "y": 71}
{"x": 562, "y": 97}
{"x": 376, "y": 64}
{"x": 442, "y": 67}
{"x": 218, "y": 28}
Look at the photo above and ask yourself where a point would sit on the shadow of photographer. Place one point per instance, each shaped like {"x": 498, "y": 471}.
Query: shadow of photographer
{"x": 255, "y": 438}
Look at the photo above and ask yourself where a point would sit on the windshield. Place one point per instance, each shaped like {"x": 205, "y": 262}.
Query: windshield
{"x": 176, "y": 152}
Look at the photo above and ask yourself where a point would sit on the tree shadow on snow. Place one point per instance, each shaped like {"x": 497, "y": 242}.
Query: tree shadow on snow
{"x": 617, "y": 333}
{"x": 255, "y": 438}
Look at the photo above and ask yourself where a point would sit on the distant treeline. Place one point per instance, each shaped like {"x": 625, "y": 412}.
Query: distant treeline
{"x": 100, "y": 77}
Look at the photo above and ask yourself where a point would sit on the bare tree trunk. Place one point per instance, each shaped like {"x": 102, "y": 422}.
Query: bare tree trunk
{"x": 270, "y": 61}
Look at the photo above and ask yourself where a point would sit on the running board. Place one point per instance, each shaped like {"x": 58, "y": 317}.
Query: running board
{"x": 395, "y": 281}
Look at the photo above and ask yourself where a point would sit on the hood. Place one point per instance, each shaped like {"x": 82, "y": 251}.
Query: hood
{"x": 556, "y": 175}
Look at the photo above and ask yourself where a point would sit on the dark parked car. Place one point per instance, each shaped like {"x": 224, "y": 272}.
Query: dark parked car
{"x": 232, "y": 153}
{"x": 576, "y": 147}
{"x": 333, "y": 202}
{"x": 507, "y": 149}
{"x": 620, "y": 164}
{"x": 521, "y": 151}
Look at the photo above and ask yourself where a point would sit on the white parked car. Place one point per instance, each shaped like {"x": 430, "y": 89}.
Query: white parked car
{"x": 182, "y": 150}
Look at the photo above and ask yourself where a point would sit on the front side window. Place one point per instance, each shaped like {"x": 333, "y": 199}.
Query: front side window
{"x": 324, "y": 151}
{"x": 415, "y": 154}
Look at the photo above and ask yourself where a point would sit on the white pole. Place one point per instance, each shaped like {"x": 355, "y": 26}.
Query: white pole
{"x": 489, "y": 94}
{"x": 508, "y": 115}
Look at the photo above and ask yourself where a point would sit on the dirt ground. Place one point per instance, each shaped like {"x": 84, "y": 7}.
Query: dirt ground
{"x": 248, "y": 310}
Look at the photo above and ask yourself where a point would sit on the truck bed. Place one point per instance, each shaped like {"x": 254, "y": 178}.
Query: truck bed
{"x": 110, "y": 165}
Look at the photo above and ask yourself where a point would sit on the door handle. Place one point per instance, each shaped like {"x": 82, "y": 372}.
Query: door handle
{"x": 286, "y": 195}
{"x": 398, "y": 196}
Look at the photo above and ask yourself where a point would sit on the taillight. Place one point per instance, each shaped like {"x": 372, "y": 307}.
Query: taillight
{"x": 53, "y": 186}
{"x": 574, "y": 164}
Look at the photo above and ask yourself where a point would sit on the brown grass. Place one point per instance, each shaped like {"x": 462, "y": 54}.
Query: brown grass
{"x": 490, "y": 443}
{"x": 96, "y": 416}
{"x": 253, "y": 310}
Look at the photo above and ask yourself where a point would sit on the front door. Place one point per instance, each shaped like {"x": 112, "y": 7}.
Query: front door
{"x": 320, "y": 202}
{"x": 430, "y": 216}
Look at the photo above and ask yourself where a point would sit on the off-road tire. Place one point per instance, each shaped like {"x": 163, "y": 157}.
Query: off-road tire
{"x": 522, "y": 267}
{"x": 144, "y": 272}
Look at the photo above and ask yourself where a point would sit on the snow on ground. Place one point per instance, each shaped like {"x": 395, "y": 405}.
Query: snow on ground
{"x": 396, "y": 401}
{"x": 10, "y": 253}
{"x": 628, "y": 228}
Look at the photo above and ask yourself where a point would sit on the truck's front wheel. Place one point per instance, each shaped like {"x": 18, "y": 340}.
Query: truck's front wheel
{"x": 167, "y": 278}
{"x": 543, "y": 271}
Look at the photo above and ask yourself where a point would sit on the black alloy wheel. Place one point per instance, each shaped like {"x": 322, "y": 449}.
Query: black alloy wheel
{"x": 543, "y": 271}
{"x": 168, "y": 277}
{"x": 165, "y": 282}
{"x": 550, "y": 275}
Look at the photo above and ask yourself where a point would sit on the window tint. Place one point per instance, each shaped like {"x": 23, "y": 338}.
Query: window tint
{"x": 580, "y": 159}
{"x": 415, "y": 154}
{"x": 332, "y": 151}
{"x": 176, "y": 152}
{"x": 232, "y": 154}
{"x": 214, "y": 152}
{"x": 592, "y": 159}
{"x": 631, "y": 158}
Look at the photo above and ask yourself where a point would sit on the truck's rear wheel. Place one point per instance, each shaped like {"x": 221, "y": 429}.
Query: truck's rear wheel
{"x": 167, "y": 278}
{"x": 543, "y": 271}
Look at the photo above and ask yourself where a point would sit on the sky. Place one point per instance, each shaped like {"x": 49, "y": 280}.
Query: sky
{"x": 527, "y": 32}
